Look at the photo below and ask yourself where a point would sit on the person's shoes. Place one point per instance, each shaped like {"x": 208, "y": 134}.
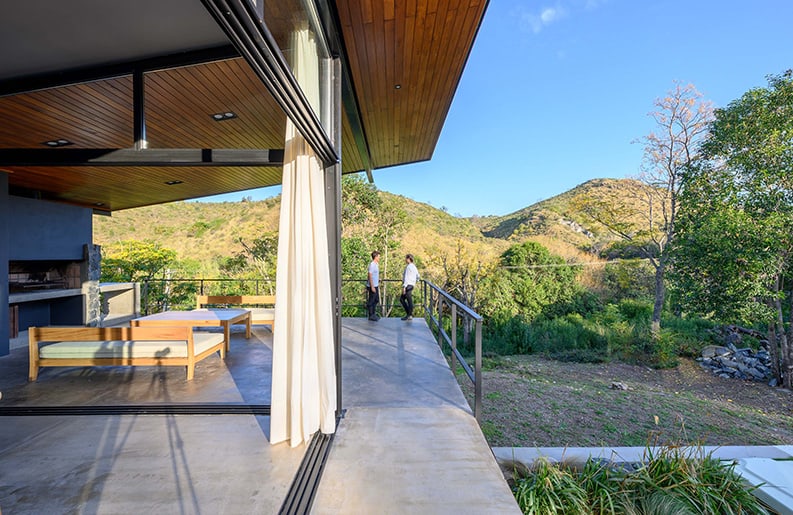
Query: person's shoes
{"x": 374, "y": 318}
{"x": 409, "y": 317}
{"x": 405, "y": 318}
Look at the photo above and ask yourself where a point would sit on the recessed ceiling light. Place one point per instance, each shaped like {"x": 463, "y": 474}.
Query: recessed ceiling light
{"x": 171, "y": 183}
{"x": 398, "y": 86}
{"x": 99, "y": 204}
{"x": 226, "y": 115}
{"x": 61, "y": 142}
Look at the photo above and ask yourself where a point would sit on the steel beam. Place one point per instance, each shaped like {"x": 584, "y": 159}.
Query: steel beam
{"x": 139, "y": 110}
{"x": 143, "y": 157}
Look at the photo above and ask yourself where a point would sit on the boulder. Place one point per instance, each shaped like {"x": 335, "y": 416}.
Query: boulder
{"x": 711, "y": 351}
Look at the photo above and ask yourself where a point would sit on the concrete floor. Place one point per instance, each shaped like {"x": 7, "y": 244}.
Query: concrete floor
{"x": 132, "y": 464}
{"x": 408, "y": 444}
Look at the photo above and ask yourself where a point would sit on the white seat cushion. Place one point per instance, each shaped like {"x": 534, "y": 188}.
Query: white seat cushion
{"x": 130, "y": 349}
{"x": 262, "y": 313}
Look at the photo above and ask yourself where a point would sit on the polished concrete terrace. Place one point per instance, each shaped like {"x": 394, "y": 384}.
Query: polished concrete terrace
{"x": 408, "y": 442}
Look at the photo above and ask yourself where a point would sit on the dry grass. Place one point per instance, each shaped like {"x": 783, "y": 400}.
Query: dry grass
{"x": 531, "y": 401}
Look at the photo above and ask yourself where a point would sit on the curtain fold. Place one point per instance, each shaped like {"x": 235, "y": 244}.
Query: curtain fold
{"x": 304, "y": 376}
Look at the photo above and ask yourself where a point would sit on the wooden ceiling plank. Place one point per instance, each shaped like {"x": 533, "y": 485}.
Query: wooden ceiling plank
{"x": 62, "y": 120}
{"x": 88, "y": 127}
{"x": 465, "y": 19}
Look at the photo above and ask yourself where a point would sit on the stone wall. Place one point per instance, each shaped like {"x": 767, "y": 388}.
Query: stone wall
{"x": 92, "y": 262}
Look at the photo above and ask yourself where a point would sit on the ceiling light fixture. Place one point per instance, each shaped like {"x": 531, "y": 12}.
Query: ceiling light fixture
{"x": 227, "y": 115}
{"x": 171, "y": 183}
{"x": 398, "y": 86}
{"x": 99, "y": 204}
{"x": 57, "y": 143}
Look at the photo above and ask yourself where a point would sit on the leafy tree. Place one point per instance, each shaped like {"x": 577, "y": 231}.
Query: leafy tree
{"x": 262, "y": 256}
{"x": 142, "y": 262}
{"x": 257, "y": 260}
{"x": 370, "y": 222}
{"x": 682, "y": 118}
{"x": 735, "y": 251}
{"x": 528, "y": 279}
{"x": 134, "y": 261}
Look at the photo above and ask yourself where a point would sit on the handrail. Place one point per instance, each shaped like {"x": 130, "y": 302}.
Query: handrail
{"x": 434, "y": 300}
{"x": 470, "y": 312}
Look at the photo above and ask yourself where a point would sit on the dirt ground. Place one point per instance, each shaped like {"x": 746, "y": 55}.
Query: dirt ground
{"x": 531, "y": 401}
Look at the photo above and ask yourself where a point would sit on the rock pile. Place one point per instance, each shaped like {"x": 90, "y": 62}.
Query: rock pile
{"x": 731, "y": 362}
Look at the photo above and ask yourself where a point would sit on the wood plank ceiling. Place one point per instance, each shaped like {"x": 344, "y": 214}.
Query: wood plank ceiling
{"x": 179, "y": 105}
{"x": 420, "y": 46}
{"x": 406, "y": 58}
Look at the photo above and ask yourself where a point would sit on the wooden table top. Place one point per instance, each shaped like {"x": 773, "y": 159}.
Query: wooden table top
{"x": 219, "y": 315}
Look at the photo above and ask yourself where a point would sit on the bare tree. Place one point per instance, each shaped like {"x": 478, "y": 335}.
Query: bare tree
{"x": 682, "y": 119}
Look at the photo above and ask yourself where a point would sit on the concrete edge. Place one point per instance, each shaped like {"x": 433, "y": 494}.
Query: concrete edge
{"x": 527, "y": 455}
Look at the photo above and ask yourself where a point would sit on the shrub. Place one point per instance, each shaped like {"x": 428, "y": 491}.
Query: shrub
{"x": 671, "y": 480}
{"x": 550, "y": 489}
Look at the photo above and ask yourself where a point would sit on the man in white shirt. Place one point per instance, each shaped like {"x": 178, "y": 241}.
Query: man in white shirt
{"x": 373, "y": 287}
{"x": 409, "y": 280}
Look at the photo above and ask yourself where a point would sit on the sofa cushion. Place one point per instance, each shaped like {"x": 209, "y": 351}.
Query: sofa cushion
{"x": 130, "y": 349}
{"x": 262, "y": 313}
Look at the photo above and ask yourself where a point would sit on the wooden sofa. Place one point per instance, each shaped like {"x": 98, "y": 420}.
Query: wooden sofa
{"x": 120, "y": 346}
{"x": 254, "y": 303}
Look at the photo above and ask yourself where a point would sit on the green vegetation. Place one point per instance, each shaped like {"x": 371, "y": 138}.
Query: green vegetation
{"x": 670, "y": 480}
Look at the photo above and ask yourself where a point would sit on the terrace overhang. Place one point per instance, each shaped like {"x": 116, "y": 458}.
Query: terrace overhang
{"x": 151, "y": 75}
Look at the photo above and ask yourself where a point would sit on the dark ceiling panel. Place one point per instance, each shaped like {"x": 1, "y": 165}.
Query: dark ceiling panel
{"x": 44, "y": 36}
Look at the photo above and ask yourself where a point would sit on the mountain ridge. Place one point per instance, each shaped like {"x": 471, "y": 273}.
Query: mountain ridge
{"x": 206, "y": 231}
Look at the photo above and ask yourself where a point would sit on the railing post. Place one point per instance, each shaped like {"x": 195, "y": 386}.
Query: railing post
{"x": 201, "y": 286}
{"x": 424, "y": 297}
{"x": 478, "y": 371}
{"x": 454, "y": 339}
{"x": 440, "y": 320}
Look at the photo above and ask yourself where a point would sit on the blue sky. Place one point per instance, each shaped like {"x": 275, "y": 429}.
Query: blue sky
{"x": 555, "y": 92}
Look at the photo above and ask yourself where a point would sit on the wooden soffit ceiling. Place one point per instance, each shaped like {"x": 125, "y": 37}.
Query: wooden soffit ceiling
{"x": 406, "y": 58}
{"x": 179, "y": 105}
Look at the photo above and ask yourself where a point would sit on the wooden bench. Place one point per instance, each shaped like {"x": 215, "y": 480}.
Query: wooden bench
{"x": 259, "y": 315}
{"x": 120, "y": 346}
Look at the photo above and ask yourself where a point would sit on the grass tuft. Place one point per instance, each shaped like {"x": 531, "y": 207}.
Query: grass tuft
{"x": 672, "y": 480}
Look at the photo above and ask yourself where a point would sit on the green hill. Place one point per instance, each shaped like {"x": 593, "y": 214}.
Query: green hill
{"x": 206, "y": 231}
{"x": 561, "y": 217}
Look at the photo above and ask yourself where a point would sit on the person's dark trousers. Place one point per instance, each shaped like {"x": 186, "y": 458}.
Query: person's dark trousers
{"x": 406, "y": 299}
{"x": 372, "y": 300}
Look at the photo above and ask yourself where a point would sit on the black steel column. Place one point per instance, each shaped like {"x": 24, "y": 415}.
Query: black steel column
{"x": 5, "y": 344}
{"x": 333, "y": 217}
{"x": 139, "y": 109}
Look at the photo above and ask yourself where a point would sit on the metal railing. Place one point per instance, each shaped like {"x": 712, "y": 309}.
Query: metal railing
{"x": 440, "y": 307}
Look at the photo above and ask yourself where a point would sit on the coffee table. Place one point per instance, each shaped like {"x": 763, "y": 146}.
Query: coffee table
{"x": 224, "y": 318}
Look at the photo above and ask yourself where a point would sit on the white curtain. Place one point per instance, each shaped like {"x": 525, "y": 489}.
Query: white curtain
{"x": 304, "y": 375}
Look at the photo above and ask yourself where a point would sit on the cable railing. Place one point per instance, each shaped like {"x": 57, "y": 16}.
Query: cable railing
{"x": 446, "y": 316}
